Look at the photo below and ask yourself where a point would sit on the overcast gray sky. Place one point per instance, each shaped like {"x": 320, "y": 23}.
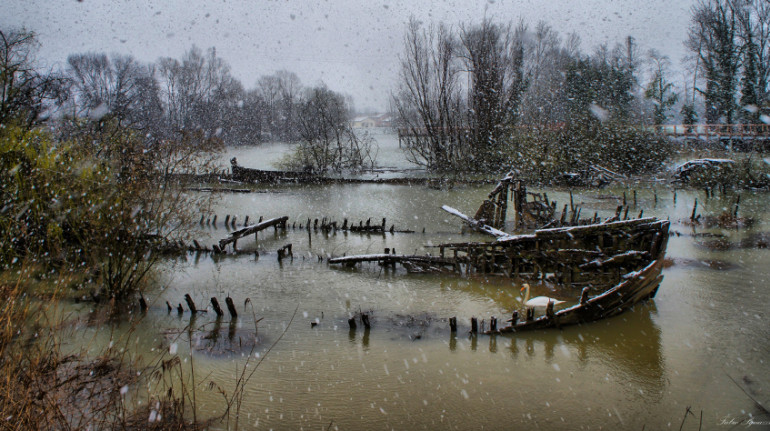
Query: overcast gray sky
{"x": 351, "y": 45}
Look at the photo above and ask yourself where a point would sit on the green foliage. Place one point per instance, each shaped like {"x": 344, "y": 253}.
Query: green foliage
{"x": 605, "y": 83}
{"x": 103, "y": 199}
{"x": 542, "y": 155}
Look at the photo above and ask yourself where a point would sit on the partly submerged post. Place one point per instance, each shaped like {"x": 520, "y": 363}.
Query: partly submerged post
{"x": 514, "y": 317}
{"x": 231, "y": 307}
{"x": 190, "y": 303}
{"x": 453, "y": 324}
{"x": 217, "y": 308}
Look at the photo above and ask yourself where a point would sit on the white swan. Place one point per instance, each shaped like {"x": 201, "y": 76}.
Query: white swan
{"x": 538, "y": 301}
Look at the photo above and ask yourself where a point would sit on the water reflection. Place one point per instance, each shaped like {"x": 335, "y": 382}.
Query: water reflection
{"x": 628, "y": 346}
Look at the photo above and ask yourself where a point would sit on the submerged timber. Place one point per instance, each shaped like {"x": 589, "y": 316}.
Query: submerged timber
{"x": 607, "y": 266}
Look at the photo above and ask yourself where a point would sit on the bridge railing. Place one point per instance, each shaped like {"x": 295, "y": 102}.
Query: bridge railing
{"x": 712, "y": 130}
{"x": 685, "y": 130}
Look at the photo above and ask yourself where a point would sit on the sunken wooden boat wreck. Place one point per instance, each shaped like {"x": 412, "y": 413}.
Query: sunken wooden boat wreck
{"x": 251, "y": 175}
{"x": 608, "y": 267}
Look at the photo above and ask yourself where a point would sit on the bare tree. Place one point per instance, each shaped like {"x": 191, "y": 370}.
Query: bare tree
{"x": 659, "y": 89}
{"x": 198, "y": 92}
{"x": 119, "y": 86}
{"x": 25, "y": 93}
{"x": 754, "y": 34}
{"x": 428, "y": 104}
{"x": 327, "y": 141}
{"x": 713, "y": 40}
{"x": 494, "y": 57}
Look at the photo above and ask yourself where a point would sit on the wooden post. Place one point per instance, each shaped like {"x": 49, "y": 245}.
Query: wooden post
{"x": 142, "y": 303}
{"x": 549, "y": 310}
{"x": 694, "y": 208}
{"x": 190, "y": 303}
{"x": 246, "y": 222}
{"x": 365, "y": 321}
{"x": 514, "y": 317}
{"x": 227, "y": 220}
{"x": 634, "y": 198}
{"x": 169, "y": 306}
{"x": 474, "y": 325}
{"x": 231, "y": 307}
{"x": 493, "y": 323}
{"x": 217, "y": 308}
{"x": 352, "y": 323}
{"x": 179, "y": 309}
{"x": 453, "y": 324}
{"x": 530, "y": 314}
{"x": 584, "y": 295}
{"x": 214, "y": 222}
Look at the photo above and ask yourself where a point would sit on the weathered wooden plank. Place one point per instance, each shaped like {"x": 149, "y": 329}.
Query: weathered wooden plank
{"x": 248, "y": 230}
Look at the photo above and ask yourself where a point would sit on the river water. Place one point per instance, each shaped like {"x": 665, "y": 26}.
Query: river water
{"x": 702, "y": 343}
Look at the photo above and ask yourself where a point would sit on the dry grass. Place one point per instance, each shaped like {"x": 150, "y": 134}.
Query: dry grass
{"x": 42, "y": 389}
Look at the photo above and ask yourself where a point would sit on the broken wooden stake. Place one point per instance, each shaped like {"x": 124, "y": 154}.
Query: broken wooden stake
{"x": 365, "y": 321}
{"x": 169, "y": 306}
{"x": 694, "y": 209}
{"x": 190, "y": 303}
{"x": 352, "y": 323}
{"x": 231, "y": 307}
{"x": 474, "y": 325}
{"x": 514, "y": 317}
{"x": 179, "y": 309}
{"x": 493, "y": 323}
{"x": 217, "y": 308}
{"x": 453, "y": 324}
{"x": 584, "y": 295}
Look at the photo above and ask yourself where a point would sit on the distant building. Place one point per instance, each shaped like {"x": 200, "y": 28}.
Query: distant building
{"x": 378, "y": 120}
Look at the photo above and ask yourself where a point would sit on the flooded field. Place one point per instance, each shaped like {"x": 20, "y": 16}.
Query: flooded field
{"x": 702, "y": 343}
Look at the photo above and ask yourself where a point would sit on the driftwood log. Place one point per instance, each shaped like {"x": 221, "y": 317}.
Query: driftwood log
{"x": 248, "y": 230}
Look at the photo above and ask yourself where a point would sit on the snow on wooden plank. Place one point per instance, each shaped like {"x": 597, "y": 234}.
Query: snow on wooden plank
{"x": 475, "y": 223}
{"x": 252, "y": 229}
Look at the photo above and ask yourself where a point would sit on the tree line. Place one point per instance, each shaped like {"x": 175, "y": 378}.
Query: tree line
{"x": 477, "y": 96}
{"x": 465, "y": 92}
{"x": 730, "y": 45}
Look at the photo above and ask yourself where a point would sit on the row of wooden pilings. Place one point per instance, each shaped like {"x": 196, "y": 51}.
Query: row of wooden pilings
{"x": 192, "y": 307}
{"x": 530, "y": 316}
{"x": 323, "y": 224}
{"x": 493, "y": 320}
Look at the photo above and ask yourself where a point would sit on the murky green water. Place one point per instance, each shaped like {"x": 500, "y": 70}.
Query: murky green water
{"x": 706, "y": 327}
